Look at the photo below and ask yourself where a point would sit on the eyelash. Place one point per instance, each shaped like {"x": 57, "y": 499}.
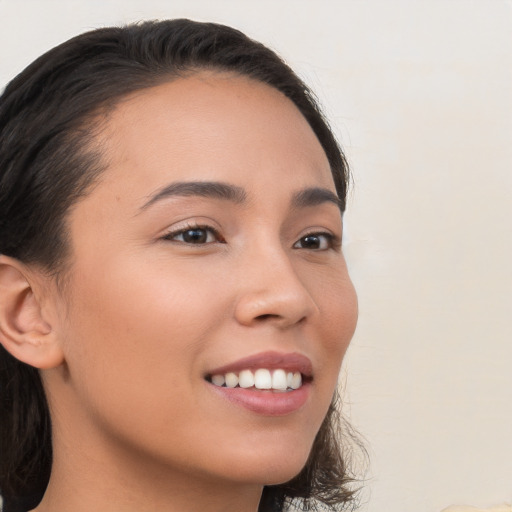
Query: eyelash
{"x": 194, "y": 227}
{"x": 331, "y": 241}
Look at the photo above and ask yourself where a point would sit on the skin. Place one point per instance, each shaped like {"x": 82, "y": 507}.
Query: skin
{"x": 145, "y": 315}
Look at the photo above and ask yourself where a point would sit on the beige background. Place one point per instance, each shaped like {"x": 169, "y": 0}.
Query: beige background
{"x": 420, "y": 94}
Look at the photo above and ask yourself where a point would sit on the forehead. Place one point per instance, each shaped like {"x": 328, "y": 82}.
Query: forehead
{"x": 212, "y": 126}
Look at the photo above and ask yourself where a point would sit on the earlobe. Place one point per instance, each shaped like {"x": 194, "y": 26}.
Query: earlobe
{"x": 24, "y": 332}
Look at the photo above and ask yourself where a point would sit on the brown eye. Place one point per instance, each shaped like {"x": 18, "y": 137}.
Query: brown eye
{"x": 315, "y": 241}
{"x": 196, "y": 235}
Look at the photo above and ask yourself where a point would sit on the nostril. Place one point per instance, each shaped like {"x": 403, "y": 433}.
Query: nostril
{"x": 269, "y": 316}
{"x": 266, "y": 317}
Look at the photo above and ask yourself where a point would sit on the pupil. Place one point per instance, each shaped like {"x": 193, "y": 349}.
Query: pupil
{"x": 310, "y": 241}
{"x": 195, "y": 236}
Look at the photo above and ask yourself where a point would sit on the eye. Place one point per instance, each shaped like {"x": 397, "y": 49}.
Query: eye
{"x": 196, "y": 235}
{"x": 316, "y": 242}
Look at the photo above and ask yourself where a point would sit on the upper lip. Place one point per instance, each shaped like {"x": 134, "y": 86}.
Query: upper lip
{"x": 293, "y": 362}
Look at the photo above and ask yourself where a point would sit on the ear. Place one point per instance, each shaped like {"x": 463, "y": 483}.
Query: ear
{"x": 24, "y": 331}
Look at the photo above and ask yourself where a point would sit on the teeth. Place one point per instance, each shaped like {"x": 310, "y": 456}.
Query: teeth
{"x": 260, "y": 379}
{"x": 231, "y": 380}
{"x": 246, "y": 379}
{"x": 279, "y": 380}
{"x": 296, "y": 381}
{"x": 218, "y": 380}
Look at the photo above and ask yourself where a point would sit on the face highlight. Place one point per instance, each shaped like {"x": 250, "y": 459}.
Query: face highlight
{"x": 209, "y": 302}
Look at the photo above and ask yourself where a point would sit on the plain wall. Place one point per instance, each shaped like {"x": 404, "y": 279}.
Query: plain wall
{"x": 420, "y": 95}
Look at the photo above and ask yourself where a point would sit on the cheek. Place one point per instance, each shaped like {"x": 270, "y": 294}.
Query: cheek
{"x": 337, "y": 302}
{"x": 342, "y": 319}
{"x": 134, "y": 348}
{"x": 129, "y": 300}
{"x": 137, "y": 331}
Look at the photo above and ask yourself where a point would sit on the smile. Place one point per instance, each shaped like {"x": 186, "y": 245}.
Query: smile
{"x": 269, "y": 383}
{"x": 262, "y": 378}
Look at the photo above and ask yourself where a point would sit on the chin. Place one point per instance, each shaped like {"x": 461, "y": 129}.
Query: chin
{"x": 270, "y": 466}
{"x": 282, "y": 475}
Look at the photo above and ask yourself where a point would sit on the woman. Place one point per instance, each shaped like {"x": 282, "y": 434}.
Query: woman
{"x": 174, "y": 303}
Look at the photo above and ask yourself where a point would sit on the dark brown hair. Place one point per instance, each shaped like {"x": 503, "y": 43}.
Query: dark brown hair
{"x": 46, "y": 125}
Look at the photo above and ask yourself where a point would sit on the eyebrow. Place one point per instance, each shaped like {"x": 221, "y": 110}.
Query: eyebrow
{"x": 315, "y": 196}
{"x": 307, "y": 197}
{"x": 210, "y": 189}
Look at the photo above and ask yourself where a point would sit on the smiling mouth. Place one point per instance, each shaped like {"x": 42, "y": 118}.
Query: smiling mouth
{"x": 261, "y": 379}
{"x": 270, "y": 383}
{"x": 269, "y": 371}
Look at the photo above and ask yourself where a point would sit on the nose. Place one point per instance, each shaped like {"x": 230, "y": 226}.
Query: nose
{"x": 271, "y": 291}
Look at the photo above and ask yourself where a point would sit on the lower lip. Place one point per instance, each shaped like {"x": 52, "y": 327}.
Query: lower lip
{"x": 266, "y": 402}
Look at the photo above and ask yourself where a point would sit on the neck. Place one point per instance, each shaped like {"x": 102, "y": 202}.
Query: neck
{"x": 92, "y": 473}
{"x": 86, "y": 486}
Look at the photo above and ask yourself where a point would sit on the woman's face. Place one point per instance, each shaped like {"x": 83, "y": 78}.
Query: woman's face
{"x": 210, "y": 246}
